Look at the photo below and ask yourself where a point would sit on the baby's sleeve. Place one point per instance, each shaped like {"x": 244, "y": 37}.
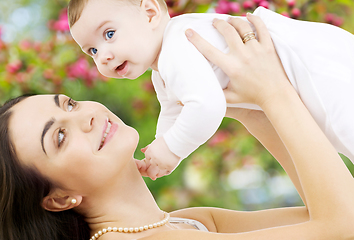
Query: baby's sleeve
{"x": 169, "y": 110}
{"x": 190, "y": 81}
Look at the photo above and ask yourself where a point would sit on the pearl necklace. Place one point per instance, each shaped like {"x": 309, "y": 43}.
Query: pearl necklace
{"x": 131, "y": 230}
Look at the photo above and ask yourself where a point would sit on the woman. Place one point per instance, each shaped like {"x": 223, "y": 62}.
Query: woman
{"x": 77, "y": 158}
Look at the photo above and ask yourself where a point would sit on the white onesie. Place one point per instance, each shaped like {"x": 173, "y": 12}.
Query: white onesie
{"x": 318, "y": 59}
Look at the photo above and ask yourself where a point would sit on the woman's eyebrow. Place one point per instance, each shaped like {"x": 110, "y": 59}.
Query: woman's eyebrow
{"x": 56, "y": 100}
{"x": 49, "y": 123}
{"x": 45, "y": 130}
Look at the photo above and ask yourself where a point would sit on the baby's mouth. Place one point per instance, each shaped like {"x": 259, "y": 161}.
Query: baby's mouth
{"x": 120, "y": 67}
{"x": 105, "y": 135}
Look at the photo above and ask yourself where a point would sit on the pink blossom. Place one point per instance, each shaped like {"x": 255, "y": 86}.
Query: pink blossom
{"x": 264, "y": 4}
{"x": 234, "y": 7}
{"x": 257, "y": 1}
{"x": 78, "y": 69}
{"x": 248, "y": 4}
{"x": 285, "y": 14}
{"x": 148, "y": 87}
{"x": 222, "y": 7}
{"x": 138, "y": 104}
{"x": 291, "y": 3}
{"x": 295, "y": 12}
{"x": 62, "y": 24}
{"x": 63, "y": 14}
{"x": 14, "y": 66}
{"x": 25, "y": 45}
{"x": 91, "y": 76}
{"x": 219, "y": 137}
{"x": 21, "y": 77}
{"x": 30, "y": 68}
{"x": 48, "y": 73}
{"x": 329, "y": 17}
{"x": 338, "y": 21}
{"x": 81, "y": 69}
{"x": 37, "y": 46}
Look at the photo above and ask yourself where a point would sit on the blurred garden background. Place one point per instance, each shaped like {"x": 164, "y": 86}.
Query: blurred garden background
{"x": 232, "y": 170}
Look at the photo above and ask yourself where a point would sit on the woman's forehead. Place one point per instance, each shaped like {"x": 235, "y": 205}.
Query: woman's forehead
{"x": 27, "y": 119}
{"x": 32, "y": 108}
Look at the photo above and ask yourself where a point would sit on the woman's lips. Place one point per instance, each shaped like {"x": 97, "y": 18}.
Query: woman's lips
{"x": 122, "y": 69}
{"x": 109, "y": 130}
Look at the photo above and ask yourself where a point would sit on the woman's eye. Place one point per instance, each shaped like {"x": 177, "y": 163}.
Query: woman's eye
{"x": 93, "y": 51}
{"x": 61, "y": 137}
{"x": 109, "y": 34}
{"x": 71, "y": 104}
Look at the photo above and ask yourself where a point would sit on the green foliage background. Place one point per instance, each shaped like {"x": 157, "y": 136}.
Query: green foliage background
{"x": 232, "y": 170}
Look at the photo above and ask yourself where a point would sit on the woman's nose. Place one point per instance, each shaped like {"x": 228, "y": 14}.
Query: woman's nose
{"x": 85, "y": 119}
{"x": 87, "y": 124}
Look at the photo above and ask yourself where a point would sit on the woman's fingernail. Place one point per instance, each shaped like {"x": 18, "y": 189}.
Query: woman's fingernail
{"x": 229, "y": 19}
{"x": 189, "y": 33}
{"x": 249, "y": 14}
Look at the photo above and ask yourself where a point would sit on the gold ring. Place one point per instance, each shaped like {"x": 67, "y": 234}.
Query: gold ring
{"x": 247, "y": 33}
{"x": 248, "y": 36}
{"x": 248, "y": 39}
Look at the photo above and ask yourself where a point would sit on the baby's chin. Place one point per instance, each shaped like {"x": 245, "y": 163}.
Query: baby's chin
{"x": 127, "y": 76}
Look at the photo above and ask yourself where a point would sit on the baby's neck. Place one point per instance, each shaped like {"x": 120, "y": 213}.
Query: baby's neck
{"x": 161, "y": 30}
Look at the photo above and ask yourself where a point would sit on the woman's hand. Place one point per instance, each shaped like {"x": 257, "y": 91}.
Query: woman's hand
{"x": 256, "y": 75}
{"x": 253, "y": 67}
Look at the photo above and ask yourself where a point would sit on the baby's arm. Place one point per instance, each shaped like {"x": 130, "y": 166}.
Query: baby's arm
{"x": 195, "y": 93}
{"x": 159, "y": 160}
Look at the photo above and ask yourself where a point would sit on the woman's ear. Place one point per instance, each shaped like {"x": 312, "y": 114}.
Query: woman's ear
{"x": 152, "y": 10}
{"x": 57, "y": 200}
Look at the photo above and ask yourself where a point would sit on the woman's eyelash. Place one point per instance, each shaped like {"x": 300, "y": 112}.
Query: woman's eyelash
{"x": 61, "y": 137}
{"x": 71, "y": 104}
{"x": 62, "y": 132}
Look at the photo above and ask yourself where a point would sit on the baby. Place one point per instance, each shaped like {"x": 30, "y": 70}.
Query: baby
{"x": 125, "y": 38}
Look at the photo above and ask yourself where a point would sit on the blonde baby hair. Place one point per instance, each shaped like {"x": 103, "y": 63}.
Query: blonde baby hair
{"x": 76, "y": 7}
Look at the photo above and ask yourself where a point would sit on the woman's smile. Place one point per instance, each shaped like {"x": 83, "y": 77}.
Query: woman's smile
{"x": 109, "y": 129}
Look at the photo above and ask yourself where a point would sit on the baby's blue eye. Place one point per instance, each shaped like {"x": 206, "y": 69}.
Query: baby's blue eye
{"x": 109, "y": 34}
{"x": 93, "y": 51}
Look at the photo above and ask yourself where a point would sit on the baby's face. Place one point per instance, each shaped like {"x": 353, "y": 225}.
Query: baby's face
{"x": 119, "y": 36}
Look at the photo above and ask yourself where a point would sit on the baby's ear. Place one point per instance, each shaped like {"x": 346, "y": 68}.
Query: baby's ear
{"x": 57, "y": 200}
{"x": 152, "y": 10}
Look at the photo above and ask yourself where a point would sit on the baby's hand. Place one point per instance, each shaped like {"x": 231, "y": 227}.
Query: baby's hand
{"x": 159, "y": 160}
{"x": 142, "y": 166}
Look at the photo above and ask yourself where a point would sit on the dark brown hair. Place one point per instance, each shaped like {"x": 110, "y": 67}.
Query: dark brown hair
{"x": 21, "y": 193}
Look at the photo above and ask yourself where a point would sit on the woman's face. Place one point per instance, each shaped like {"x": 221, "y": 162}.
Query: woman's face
{"x": 78, "y": 145}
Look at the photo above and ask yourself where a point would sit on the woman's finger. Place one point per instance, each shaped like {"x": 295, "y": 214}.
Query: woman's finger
{"x": 231, "y": 96}
{"x": 209, "y": 51}
{"x": 244, "y": 29}
{"x": 262, "y": 31}
{"x": 232, "y": 37}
